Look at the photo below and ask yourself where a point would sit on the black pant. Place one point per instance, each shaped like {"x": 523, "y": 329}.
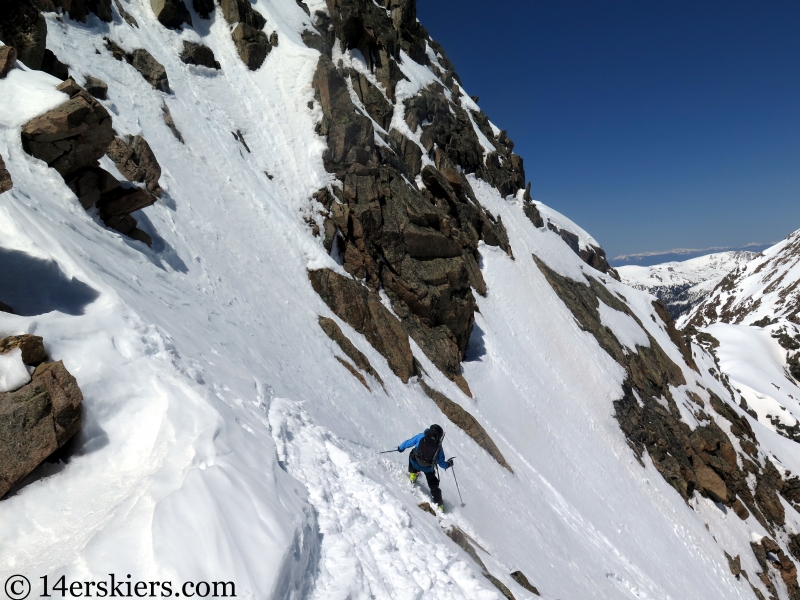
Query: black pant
{"x": 433, "y": 483}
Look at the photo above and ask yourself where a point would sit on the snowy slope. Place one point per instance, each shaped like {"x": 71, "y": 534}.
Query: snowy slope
{"x": 680, "y": 285}
{"x": 223, "y": 440}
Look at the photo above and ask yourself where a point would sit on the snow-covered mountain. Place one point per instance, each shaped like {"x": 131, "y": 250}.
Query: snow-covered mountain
{"x": 302, "y": 244}
{"x": 680, "y": 285}
{"x": 751, "y": 321}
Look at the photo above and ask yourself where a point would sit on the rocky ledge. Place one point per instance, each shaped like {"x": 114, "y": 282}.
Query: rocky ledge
{"x": 38, "y": 418}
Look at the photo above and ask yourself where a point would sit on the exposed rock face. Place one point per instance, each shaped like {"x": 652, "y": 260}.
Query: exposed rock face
{"x": 204, "y": 8}
{"x": 54, "y": 67}
{"x": 171, "y": 13}
{"x": 362, "y": 310}
{"x": 252, "y": 44}
{"x": 197, "y": 54}
{"x": 520, "y": 578}
{"x": 24, "y": 28}
{"x": 96, "y": 87}
{"x": 353, "y": 371}
{"x": 466, "y": 422}
{"x": 333, "y": 331}
{"x": 170, "y": 123}
{"x": 419, "y": 245}
{"x": 71, "y": 136}
{"x": 468, "y": 545}
{"x": 8, "y": 56}
{"x": 38, "y": 418}
{"x": 136, "y": 161}
{"x": 5, "y": 177}
{"x": 152, "y": 70}
{"x": 125, "y": 15}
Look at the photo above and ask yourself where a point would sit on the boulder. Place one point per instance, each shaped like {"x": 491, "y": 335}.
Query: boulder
{"x": 5, "y": 178}
{"x": 123, "y": 201}
{"x": 197, "y": 54}
{"x": 102, "y": 8}
{"x": 170, "y": 123}
{"x": 96, "y": 87}
{"x": 252, "y": 45}
{"x": 204, "y": 8}
{"x": 53, "y": 66}
{"x": 362, "y": 309}
{"x": 171, "y": 13}
{"x": 152, "y": 70}
{"x": 8, "y": 56}
{"x": 136, "y": 161}
{"x": 24, "y": 28}
{"x": 36, "y": 420}
{"x": 71, "y": 136}
{"x": 31, "y": 346}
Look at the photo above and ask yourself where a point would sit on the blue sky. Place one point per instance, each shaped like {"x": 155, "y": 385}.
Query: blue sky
{"x": 654, "y": 125}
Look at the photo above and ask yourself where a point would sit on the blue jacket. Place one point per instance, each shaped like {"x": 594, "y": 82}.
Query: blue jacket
{"x": 414, "y": 442}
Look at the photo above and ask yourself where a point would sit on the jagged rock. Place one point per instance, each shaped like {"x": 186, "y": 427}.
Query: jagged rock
{"x": 204, "y": 8}
{"x": 362, "y": 310}
{"x": 333, "y": 331}
{"x": 197, "y": 54}
{"x": 116, "y": 50}
{"x": 171, "y": 13}
{"x": 378, "y": 107}
{"x": 466, "y": 422}
{"x": 124, "y": 14}
{"x": 8, "y": 56}
{"x": 353, "y": 371}
{"x": 53, "y": 66}
{"x": 122, "y": 201}
{"x": 465, "y": 543}
{"x": 500, "y": 586}
{"x": 520, "y": 578}
{"x": 71, "y": 136}
{"x": 91, "y": 184}
{"x": 102, "y": 8}
{"x": 252, "y": 45}
{"x": 152, "y": 70}
{"x": 5, "y": 177}
{"x": 31, "y": 346}
{"x": 241, "y": 11}
{"x": 36, "y": 420}
{"x": 170, "y": 122}
{"x": 96, "y": 87}
{"x": 136, "y": 161}
{"x": 24, "y": 28}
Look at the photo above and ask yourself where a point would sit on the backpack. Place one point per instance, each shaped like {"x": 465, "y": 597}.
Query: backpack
{"x": 428, "y": 447}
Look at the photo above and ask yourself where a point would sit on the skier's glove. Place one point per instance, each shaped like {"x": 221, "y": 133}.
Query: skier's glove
{"x": 449, "y": 462}
{"x": 400, "y": 450}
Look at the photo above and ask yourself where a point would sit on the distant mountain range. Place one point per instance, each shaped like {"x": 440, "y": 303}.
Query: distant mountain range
{"x": 647, "y": 259}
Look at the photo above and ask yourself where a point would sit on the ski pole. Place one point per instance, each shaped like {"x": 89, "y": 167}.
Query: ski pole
{"x": 459, "y": 489}
{"x": 387, "y": 451}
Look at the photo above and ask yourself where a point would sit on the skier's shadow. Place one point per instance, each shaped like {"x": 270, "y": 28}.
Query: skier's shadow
{"x": 35, "y": 286}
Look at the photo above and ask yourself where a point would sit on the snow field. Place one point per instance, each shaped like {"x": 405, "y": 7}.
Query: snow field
{"x": 222, "y": 439}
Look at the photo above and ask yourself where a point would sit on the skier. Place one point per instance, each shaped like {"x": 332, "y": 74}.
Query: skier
{"x": 426, "y": 452}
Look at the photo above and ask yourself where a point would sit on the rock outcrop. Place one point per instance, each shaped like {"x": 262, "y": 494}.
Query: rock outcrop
{"x": 251, "y": 42}
{"x": 96, "y": 87}
{"x": 204, "y": 8}
{"x": 466, "y": 422}
{"x": 25, "y": 29}
{"x": 8, "y": 56}
{"x": 38, "y": 418}
{"x": 197, "y": 54}
{"x": 333, "y": 331}
{"x": 140, "y": 59}
{"x": 361, "y": 308}
{"x": 5, "y": 177}
{"x": 136, "y": 161}
{"x": 171, "y": 13}
{"x": 54, "y": 67}
{"x": 71, "y": 138}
